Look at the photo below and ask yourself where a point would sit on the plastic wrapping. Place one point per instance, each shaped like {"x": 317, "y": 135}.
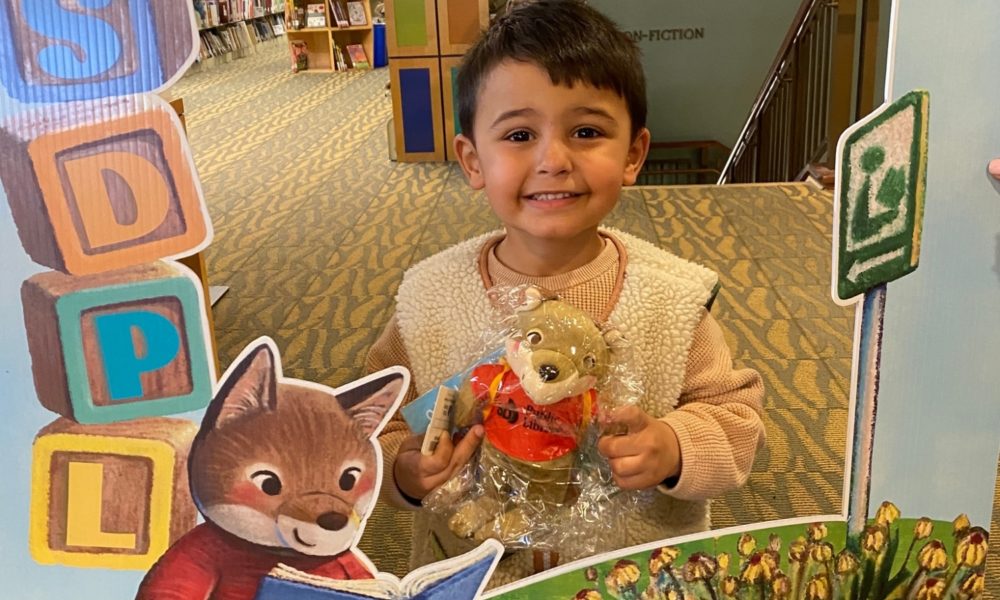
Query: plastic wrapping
{"x": 537, "y": 480}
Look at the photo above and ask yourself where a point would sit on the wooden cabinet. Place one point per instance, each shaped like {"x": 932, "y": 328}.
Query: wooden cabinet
{"x": 416, "y": 102}
{"x": 426, "y": 41}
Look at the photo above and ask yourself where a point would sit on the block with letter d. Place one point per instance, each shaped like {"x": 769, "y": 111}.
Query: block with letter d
{"x": 102, "y": 185}
{"x": 111, "y": 496}
{"x": 116, "y": 346}
{"x": 66, "y": 50}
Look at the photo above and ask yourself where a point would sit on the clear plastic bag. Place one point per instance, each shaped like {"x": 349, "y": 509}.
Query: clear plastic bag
{"x": 538, "y": 481}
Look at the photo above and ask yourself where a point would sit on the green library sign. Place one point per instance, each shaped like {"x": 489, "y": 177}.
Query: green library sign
{"x": 882, "y": 181}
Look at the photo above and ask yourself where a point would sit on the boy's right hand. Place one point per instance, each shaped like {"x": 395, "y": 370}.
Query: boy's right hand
{"x": 417, "y": 475}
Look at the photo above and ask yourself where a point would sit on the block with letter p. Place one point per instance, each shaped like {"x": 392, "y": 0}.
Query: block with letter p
{"x": 103, "y": 185}
{"x": 121, "y": 345}
{"x": 111, "y": 496}
{"x": 62, "y": 50}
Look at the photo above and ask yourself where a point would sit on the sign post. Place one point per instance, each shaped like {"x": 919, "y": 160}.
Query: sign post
{"x": 879, "y": 199}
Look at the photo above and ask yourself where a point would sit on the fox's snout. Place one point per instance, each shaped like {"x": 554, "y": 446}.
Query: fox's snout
{"x": 325, "y": 510}
{"x": 332, "y": 521}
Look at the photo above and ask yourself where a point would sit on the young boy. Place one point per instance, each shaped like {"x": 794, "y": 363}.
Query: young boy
{"x": 552, "y": 107}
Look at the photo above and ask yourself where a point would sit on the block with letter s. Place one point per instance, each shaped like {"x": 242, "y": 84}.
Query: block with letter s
{"x": 117, "y": 346}
{"x": 102, "y": 185}
{"x": 66, "y": 50}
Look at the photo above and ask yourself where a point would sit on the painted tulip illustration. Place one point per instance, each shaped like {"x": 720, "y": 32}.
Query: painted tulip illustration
{"x": 887, "y": 513}
{"x": 818, "y": 532}
{"x": 973, "y": 585}
{"x": 961, "y": 525}
{"x": 932, "y": 589}
{"x": 798, "y": 551}
{"x": 622, "y": 579}
{"x": 933, "y": 556}
{"x": 923, "y": 528}
{"x": 874, "y": 539}
{"x": 847, "y": 563}
{"x": 723, "y": 560}
{"x": 699, "y": 567}
{"x": 730, "y": 585}
{"x": 822, "y": 552}
{"x": 818, "y": 588}
{"x": 972, "y": 548}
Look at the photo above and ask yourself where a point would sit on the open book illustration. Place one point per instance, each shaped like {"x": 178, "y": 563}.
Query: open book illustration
{"x": 456, "y": 578}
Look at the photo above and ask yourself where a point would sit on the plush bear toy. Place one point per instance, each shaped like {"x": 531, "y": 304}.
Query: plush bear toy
{"x": 536, "y": 405}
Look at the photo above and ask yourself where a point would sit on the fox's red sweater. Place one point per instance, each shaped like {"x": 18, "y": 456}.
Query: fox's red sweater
{"x": 212, "y": 564}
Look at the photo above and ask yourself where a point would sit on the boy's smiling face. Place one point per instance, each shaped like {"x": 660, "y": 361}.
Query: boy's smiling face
{"x": 551, "y": 158}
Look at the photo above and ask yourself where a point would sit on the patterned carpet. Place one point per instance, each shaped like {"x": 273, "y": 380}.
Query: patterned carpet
{"x": 314, "y": 227}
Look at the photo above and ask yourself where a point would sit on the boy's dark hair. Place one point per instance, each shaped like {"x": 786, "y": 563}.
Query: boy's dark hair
{"x": 570, "y": 40}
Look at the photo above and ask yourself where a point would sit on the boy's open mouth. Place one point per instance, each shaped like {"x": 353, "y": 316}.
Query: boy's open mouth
{"x": 549, "y": 196}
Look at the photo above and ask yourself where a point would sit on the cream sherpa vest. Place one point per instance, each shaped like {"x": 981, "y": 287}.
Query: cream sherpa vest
{"x": 442, "y": 309}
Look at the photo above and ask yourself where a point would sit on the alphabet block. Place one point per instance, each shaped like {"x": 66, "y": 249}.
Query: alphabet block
{"x": 121, "y": 345}
{"x": 100, "y": 186}
{"x": 61, "y": 50}
{"x": 110, "y": 496}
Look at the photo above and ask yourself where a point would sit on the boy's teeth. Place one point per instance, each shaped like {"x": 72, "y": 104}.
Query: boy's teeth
{"x": 552, "y": 196}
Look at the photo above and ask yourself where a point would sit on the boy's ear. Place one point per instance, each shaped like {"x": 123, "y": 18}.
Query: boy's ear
{"x": 468, "y": 159}
{"x": 637, "y": 152}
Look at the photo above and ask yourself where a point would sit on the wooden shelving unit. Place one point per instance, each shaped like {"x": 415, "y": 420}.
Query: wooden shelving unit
{"x": 321, "y": 41}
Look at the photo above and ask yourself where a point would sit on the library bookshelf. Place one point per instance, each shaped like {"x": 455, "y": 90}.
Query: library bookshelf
{"x": 324, "y": 45}
{"x": 231, "y": 29}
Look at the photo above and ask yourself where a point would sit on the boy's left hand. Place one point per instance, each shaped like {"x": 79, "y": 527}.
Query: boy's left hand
{"x": 645, "y": 455}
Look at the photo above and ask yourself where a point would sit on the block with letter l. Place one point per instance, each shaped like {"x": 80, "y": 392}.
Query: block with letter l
{"x": 60, "y": 51}
{"x": 122, "y": 345}
{"x": 110, "y": 496}
{"x": 102, "y": 185}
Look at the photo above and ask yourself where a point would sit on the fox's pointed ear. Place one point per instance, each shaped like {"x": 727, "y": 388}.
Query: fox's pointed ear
{"x": 372, "y": 401}
{"x": 251, "y": 387}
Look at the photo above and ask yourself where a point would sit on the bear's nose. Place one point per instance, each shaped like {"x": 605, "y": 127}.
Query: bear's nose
{"x": 548, "y": 372}
{"x": 331, "y": 521}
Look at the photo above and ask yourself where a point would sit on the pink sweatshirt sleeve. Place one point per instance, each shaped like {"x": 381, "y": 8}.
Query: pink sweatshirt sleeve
{"x": 718, "y": 419}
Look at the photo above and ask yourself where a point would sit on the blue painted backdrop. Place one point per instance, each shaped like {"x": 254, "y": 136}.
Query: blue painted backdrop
{"x": 938, "y": 428}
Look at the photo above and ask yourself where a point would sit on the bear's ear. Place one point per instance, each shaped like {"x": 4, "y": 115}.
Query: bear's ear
{"x": 250, "y": 387}
{"x": 371, "y": 401}
{"x": 531, "y": 299}
{"x": 614, "y": 339}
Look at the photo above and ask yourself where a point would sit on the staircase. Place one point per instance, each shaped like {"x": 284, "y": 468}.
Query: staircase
{"x": 823, "y": 78}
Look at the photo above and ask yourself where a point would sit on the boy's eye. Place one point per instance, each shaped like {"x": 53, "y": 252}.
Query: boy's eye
{"x": 587, "y": 132}
{"x": 518, "y": 136}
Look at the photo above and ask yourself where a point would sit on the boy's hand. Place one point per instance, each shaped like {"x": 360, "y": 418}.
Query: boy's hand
{"x": 417, "y": 474}
{"x": 645, "y": 454}
{"x": 994, "y": 168}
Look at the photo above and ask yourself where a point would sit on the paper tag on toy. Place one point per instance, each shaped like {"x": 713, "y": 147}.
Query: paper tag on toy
{"x": 417, "y": 414}
{"x": 441, "y": 419}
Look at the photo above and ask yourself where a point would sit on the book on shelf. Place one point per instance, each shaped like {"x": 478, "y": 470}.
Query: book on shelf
{"x": 339, "y": 64}
{"x": 316, "y": 15}
{"x": 456, "y": 578}
{"x": 356, "y": 14}
{"x": 339, "y": 13}
{"x": 300, "y": 56}
{"x": 359, "y": 60}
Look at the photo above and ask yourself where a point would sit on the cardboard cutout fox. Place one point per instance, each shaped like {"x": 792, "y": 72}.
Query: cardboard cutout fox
{"x": 284, "y": 471}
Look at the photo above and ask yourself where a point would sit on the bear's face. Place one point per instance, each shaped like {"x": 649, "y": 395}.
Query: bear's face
{"x": 556, "y": 350}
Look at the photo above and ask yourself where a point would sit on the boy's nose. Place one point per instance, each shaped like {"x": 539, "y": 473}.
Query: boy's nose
{"x": 554, "y": 157}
